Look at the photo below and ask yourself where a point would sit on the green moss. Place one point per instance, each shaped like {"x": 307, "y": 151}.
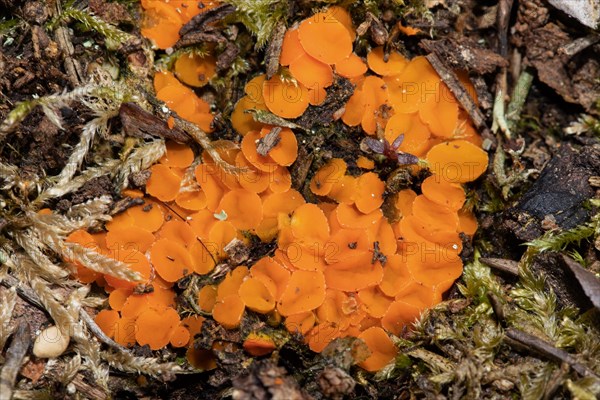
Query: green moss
{"x": 89, "y": 22}
{"x": 260, "y": 17}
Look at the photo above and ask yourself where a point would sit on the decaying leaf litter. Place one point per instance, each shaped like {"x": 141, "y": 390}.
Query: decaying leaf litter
{"x": 522, "y": 321}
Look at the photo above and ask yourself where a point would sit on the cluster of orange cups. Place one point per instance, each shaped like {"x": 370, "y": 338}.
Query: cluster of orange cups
{"x": 341, "y": 268}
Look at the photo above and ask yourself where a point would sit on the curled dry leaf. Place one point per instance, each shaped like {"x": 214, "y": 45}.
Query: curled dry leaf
{"x": 588, "y": 281}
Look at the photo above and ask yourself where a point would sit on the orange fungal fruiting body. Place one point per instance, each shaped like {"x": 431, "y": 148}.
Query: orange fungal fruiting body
{"x": 341, "y": 268}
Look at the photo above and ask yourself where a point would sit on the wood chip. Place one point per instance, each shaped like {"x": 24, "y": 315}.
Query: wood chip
{"x": 138, "y": 122}
{"x": 271, "y": 140}
{"x": 585, "y": 11}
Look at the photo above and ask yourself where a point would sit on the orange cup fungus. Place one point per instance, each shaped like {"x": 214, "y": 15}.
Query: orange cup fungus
{"x": 341, "y": 268}
{"x": 182, "y": 99}
{"x": 163, "y": 19}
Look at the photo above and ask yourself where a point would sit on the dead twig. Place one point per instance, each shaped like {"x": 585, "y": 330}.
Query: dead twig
{"x": 199, "y": 21}
{"x": 204, "y": 141}
{"x": 459, "y": 91}
{"x": 63, "y": 40}
{"x": 124, "y": 204}
{"x": 201, "y": 28}
{"x": 99, "y": 333}
{"x": 578, "y": 45}
{"x": 508, "y": 266}
{"x": 268, "y": 118}
{"x": 14, "y": 358}
{"x": 90, "y": 392}
{"x": 274, "y": 50}
{"x": 498, "y": 307}
{"x": 502, "y": 18}
{"x": 197, "y": 38}
{"x": 547, "y": 350}
{"x": 26, "y": 293}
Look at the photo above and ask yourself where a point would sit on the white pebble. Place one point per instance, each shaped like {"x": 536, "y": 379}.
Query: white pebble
{"x": 50, "y": 343}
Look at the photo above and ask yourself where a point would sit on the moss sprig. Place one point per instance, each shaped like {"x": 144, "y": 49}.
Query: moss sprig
{"x": 553, "y": 241}
{"x": 90, "y": 22}
{"x": 260, "y": 17}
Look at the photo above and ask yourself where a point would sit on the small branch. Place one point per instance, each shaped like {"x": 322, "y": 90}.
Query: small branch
{"x": 204, "y": 141}
{"x": 26, "y": 293}
{"x": 547, "y": 350}
{"x": 13, "y": 359}
{"x": 99, "y": 333}
{"x": 502, "y": 20}
{"x": 90, "y": 392}
{"x": 508, "y": 266}
{"x": 266, "y": 117}
{"x": 459, "y": 91}
{"x": 274, "y": 49}
{"x": 498, "y": 307}
{"x": 202, "y": 20}
{"x": 578, "y": 45}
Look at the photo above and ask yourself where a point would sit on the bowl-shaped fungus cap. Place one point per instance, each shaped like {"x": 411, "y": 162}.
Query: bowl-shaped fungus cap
{"x": 325, "y": 38}
{"x": 171, "y": 260}
{"x": 229, "y": 311}
{"x": 154, "y": 327}
{"x": 195, "y": 70}
{"x": 163, "y": 183}
{"x": 328, "y": 175}
{"x": 394, "y": 65}
{"x": 256, "y": 296}
{"x": 243, "y": 208}
{"x": 259, "y": 344}
{"x": 284, "y": 98}
{"x": 305, "y": 291}
{"x": 457, "y": 161}
{"x": 382, "y": 349}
